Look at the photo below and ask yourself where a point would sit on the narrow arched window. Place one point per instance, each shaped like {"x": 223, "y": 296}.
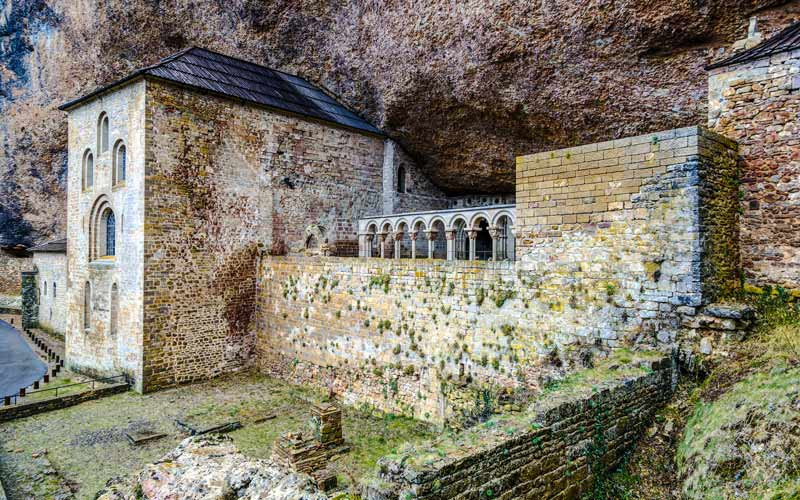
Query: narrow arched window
{"x": 54, "y": 289}
{"x": 120, "y": 162}
{"x": 87, "y": 306}
{"x": 401, "y": 180}
{"x": 45, "y": 289}
{"x": 88, "y": 169}
{"x": 102, "y": 133}
{"x": 111, "y": 226}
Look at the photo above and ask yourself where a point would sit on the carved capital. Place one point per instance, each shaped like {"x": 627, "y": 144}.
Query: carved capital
{"x": 413, "y": 235}
{"x": 432, "y": 234}
{"x": 450, "y": 234}
{"x": 494, "y": 232}
{"x": 472, "y": 233}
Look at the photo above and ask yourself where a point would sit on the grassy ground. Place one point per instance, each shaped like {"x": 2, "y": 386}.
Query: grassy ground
{"x": 80, "y": 448}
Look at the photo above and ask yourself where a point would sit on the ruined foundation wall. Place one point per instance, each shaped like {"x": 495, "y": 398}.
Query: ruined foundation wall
{"x": 635, "y": 254}
{"x": 225, "y": 180}
{"x": 757, "y": 104}
{"x": 550, "y": 453}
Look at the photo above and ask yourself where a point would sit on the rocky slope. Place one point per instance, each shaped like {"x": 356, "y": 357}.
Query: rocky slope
{"x": 464, "y": 86}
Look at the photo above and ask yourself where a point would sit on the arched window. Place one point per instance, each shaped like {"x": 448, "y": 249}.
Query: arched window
{"x": 401, "y": 180}
{"x": 102, "y": 133}
{"x": 88, "y": 169}
{"x": 87, "y": 306}
{"x": 45, "y": 289}
{"x": 120, "y": 163}
{"x": 114, "y": 309}
{"x": 108, "y": 226}
{"x": 54, "y": 289}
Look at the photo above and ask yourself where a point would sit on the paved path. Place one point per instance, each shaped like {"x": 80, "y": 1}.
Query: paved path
{"x": 19, "y": 365}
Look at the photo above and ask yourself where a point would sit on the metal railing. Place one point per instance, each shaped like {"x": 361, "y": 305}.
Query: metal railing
{"x": 19, "y": 398}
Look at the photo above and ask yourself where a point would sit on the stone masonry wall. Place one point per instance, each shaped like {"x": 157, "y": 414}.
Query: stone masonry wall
{"x": 10, "y": 269}
{"x": 51, "y": 280}
{"x": 100, "y": 350}
{"x": 650, "y": 218}
{"x": 225, "y": 180}
{"x": 421, "y": 194}
{"x": 648, "y": 241}
{"x": 757, "y": 104}
{"x": 550, "y": 453}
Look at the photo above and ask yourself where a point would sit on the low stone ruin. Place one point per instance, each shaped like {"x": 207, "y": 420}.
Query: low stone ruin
{"x": 311, "y": 455}
{"x": 209, "y": 467}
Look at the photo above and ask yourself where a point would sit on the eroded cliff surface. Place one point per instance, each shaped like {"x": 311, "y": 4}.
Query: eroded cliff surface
{"x": 464, "y": 86}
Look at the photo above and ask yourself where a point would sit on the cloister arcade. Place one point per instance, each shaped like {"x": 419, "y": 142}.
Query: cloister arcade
{"x": 480, "y": 233}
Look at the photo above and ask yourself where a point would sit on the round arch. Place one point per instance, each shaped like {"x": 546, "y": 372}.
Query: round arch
{"x": 101, "y": 219}
{"x": 475, "y": 219}
{"x": 386, "y": 226}
{"x": 500, "y": 214}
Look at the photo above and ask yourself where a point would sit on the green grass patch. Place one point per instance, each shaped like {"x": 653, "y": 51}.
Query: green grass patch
{"x": 743, "y": 445}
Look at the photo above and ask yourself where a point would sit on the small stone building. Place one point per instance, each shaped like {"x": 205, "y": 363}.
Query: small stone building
{"x": 179, "y": 175}
{"x": 14, "y": 259}
{"x": 50, "y": 270}
{"x": 754, "y": 98}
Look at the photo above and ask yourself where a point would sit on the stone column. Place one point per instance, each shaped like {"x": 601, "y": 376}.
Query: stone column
{"x": 398, "y": 237}
{"x": 432, "y": 235}
{"x": 413, "y": 236}
{"x": 472, "y": 234}
{"x": 382, "y": 243}
{"x": 450, "y": 234}
{"x": 30, "y": 300}
{"x": 368, "y": 244}
{"x": 494, "y": 232}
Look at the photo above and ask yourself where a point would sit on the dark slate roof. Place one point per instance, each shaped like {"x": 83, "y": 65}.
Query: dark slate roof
{"x": 210, "y": 71}
{"x": 55, "y": 246}
{"x": 788, "y": 39}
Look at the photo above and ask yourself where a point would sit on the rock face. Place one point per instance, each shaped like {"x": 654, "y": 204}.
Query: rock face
{"x": 462, "y": 86}
{"x": 210, "y": 467}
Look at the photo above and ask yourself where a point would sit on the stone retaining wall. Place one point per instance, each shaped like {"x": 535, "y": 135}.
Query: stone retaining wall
{"x": 619, "y": 243}
{"x": 552, "y": 454}
{"x": 27, "y": 409}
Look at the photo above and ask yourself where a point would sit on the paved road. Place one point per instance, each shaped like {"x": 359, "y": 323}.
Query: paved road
{"x": 19, "y": 365}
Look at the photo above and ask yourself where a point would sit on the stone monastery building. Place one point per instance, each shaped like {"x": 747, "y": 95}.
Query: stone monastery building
{"x": 223, "y": 215}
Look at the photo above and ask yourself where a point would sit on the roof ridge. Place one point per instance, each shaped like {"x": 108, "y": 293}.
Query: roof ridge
{"x": 207, "y": 70}
{"x": 251, "y": 63}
